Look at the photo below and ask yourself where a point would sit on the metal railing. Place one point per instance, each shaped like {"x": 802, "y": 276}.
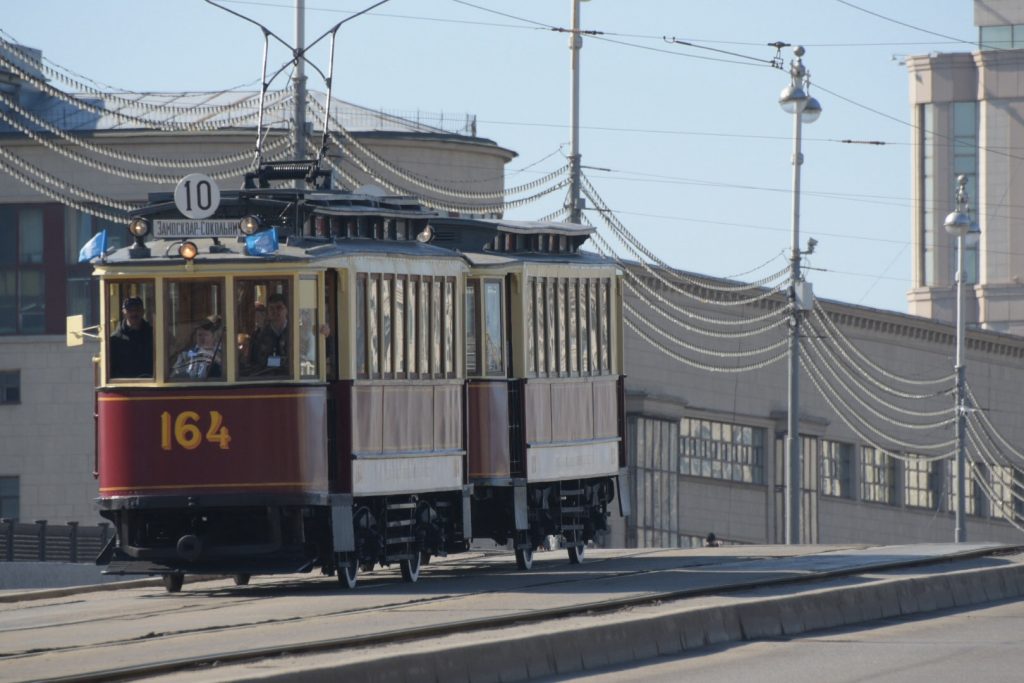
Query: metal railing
{"x": 45, "y": 542}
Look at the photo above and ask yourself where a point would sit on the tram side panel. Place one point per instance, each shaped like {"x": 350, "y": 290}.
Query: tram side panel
{"x": 212, "y": 479}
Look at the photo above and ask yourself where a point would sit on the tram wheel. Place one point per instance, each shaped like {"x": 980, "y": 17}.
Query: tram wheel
{"x": 241, "y": 579}
{"x": 424, "y": 558}
{"x": 576, "y": 552}
{"x": 524, "y": 558}
{"x": 173, "y": 582}
{"x": 348, "y": 572}
{"x": 410, "y": 568}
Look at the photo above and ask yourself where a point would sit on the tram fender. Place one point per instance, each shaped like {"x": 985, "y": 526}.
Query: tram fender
{"x": 467, "y": 511}
{"x": 622, "y": 488}
{"x": 342, "y": 526}
{"x": 520, "y": 507}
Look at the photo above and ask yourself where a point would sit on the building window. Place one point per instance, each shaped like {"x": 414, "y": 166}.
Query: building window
{"x": 969, "y": 497}
{"x": 9, "y": 498}
{"x": 720, "y": 450}
{"x": 837, "y": 469}
{"x": 1001, "y": 37}
{"x": 10, "y": 386}
{"x": 22, "y": 278}
{"x": 920, "y": 482}
{"x": 656, "y": 484}
{"x": 878, "y": 476}
{"x": 1004, "y": 484}
{"x": 965, "y": 162}
{"x": 929, "y": 224}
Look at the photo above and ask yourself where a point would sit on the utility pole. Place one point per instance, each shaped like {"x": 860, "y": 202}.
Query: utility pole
{"x": 795, "y": 100}
{"x": 959, "y": 224}
{"x": 299, "y": 87}
{"x": 575, "y": 44}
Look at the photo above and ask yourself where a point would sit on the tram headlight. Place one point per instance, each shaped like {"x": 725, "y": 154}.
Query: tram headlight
{"x": 426, "y": 234}
{"x": 139, "y": 227}
{"x": 249, "y": 224}
{"x": 188, "y": 251}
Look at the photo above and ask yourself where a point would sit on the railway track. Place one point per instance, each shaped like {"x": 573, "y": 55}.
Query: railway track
{"x": 216, "y": 625}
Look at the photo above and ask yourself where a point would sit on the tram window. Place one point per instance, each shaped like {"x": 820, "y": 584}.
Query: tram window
{"x": 410, "y": 323}
{"x": 538, "y": 314}
{"x": 472, "y": 305}
{"x": 531, "y": 361}
{"x": 605, "y": 315}
{"x": 584, "y": 335}
{"x": 386, "y": 350}
{"x": 449, "y": 328}
{"x": 130, "y": 305}
{"x": 549, "y": 296}
{"x": 398, "y": 327}
{"x": 424, "y": 334}
{"x": 493, "y": 339}
{"x": 595, "y": 365}
{"x": 360, "y": 325}
{"x": 262, "y": 307}
{"x": 372, "y": 310}
{"x": 435, "y": 327}
{"x": 194, "y": 330}
{"x": 562, "y": 367}
{"x": 570, "y": 300}
{"x": 309, "y": 329}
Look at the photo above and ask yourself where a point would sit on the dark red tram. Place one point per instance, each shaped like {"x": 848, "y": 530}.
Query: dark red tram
{"x": 312, "y": 378}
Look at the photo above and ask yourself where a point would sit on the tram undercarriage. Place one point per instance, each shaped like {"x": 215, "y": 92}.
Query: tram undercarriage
{"x": 572, "y": 510}
{"x": 241, "y": 540}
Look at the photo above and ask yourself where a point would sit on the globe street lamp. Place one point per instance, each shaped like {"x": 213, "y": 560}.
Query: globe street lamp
{"x": 795, "y": 100}
{"x": 959, "y": 223}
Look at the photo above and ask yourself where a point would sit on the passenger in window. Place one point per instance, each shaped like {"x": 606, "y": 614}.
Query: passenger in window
{"x": 268, "y": 348}
{"x": 259, "y": 315}
{"x": 203, "y": 359}
{"x": 131, "y": 345}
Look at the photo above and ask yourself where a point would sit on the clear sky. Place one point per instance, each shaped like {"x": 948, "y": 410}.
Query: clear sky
{"x": 693, "y": 149}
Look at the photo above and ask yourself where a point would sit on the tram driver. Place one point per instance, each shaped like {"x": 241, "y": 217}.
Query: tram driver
{"x": 131, "y": 345}
{"x": 201, "y": 360}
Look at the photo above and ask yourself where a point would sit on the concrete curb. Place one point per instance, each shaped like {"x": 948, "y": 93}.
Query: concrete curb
{"x": 624, "y": 638}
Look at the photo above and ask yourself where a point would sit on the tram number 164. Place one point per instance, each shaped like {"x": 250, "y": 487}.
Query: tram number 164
{"x": 183, "y": 429}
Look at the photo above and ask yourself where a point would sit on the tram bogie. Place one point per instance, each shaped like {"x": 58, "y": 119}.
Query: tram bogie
{"x": 359, "y": 383}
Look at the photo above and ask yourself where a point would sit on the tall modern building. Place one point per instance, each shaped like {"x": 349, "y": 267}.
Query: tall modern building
{"x": 969, "y": 113}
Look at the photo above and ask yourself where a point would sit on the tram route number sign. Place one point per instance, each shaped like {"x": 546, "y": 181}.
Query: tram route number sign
{"x": 197, "y": 196}
{"x": 181, "y": 229}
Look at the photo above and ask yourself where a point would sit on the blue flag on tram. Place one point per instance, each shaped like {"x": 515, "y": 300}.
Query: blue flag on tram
{"x": 262, "y": 243}
{"x": 96, "y": 246}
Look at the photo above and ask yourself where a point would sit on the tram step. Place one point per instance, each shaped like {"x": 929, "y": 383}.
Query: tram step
{"x": 399, "y": 522}
{"x": 395, "y": 540}
{"x": 571, "y": 492}
{"x": 573, "y": 510}
{"x": 572, "y": 527}
{"x": 401, "y": 506}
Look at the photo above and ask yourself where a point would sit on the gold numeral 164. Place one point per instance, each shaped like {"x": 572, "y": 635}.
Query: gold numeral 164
{"x": 185, "y": 431}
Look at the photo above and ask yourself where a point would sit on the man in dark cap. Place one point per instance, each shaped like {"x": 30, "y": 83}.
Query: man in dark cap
{"x": 131, "y": 344}
{"x": 268, "y": 353}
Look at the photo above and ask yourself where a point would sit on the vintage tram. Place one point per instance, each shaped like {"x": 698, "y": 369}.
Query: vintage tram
{"x": 312, "y": 378}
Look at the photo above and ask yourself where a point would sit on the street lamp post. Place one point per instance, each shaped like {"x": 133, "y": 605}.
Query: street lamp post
{"x": 795, "y": 100}
{"x": 575, "y": 45}
{"x": 959, "y": 223}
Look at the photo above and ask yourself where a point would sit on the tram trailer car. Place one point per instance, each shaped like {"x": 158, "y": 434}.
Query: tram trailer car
{"x": 339, "y": 380}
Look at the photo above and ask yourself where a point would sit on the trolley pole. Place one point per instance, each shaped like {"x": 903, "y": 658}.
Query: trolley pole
{"x": 575, "y": 44}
